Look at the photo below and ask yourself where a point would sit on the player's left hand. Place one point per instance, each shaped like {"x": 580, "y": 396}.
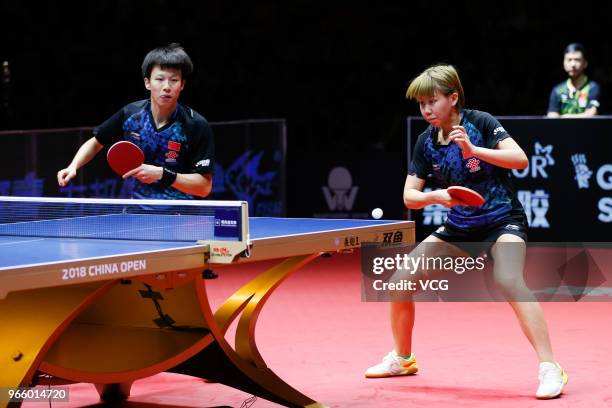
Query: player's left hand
{"x": 459, "y": 135}
{"x": 146, "y": 173}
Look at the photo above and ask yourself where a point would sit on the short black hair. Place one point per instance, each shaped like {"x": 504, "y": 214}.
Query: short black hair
{"x": 575, "y": 47}
{"x": 169, "y": 56}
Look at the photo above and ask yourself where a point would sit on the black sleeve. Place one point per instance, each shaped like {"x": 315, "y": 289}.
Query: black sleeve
{"x": 553, "y": 101}
{"x": 492, "y": 131}
{"x": 420, "y": 166}
{"x": 111, "y": 130}
{"x": 202, "y": 154}
{"x": 594, "y": 95}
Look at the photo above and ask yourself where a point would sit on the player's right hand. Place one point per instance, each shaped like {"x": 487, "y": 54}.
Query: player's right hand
{"x": 442, "y": 197}
{"x": 65, "y": 175}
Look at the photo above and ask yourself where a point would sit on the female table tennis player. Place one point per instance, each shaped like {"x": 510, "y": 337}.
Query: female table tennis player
{"x": 468, "y": 148}
{"x": 177, "y": 142}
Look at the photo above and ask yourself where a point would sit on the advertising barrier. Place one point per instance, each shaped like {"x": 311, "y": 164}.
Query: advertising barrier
{"x": 249, "y": 165}
{"x": 346, "y": 185}
{"x": 566, "y": 190}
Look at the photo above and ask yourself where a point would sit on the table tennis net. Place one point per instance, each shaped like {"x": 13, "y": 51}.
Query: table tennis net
{"x": 120, "y": 219}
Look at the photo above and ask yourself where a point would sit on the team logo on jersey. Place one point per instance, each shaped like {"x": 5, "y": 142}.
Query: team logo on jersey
{"x": 171, "y": 156}
{"x": 173, "y": 151}
{"x": 473, "y": 164}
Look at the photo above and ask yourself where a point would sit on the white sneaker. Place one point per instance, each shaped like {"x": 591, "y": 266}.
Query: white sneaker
{"x": 552, "y": 379}
{"x": 392, "y": 365}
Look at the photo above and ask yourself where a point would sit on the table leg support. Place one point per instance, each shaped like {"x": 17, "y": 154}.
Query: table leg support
{"x": 244, "y": 367}
{"x": 114, "y": 392}
{"x": 31, "y": 321}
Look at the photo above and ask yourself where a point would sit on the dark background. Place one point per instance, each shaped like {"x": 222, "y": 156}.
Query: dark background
{"x": 336, "y": 70}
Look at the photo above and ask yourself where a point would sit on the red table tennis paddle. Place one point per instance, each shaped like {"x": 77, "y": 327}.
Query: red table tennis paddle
{"x": 467, "y": 195}
{"x": 124, "y": 156}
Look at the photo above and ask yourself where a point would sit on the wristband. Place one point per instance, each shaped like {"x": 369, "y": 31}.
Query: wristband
{"x": 168, "y": 177}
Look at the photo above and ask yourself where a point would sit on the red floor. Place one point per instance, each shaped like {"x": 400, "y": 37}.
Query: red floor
{"x": 317, "y": 335}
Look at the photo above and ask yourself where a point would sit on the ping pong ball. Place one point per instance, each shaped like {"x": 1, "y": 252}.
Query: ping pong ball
{"x": 377, "y": 213}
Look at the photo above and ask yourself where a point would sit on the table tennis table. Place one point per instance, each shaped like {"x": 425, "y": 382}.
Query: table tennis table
{"x": 109, "y": 291}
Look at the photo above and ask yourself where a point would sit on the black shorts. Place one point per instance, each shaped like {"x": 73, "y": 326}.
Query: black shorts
{"x": 479, "y": 240}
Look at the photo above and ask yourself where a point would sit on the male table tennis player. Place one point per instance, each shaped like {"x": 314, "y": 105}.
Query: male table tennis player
{"x": 177, "y": 141}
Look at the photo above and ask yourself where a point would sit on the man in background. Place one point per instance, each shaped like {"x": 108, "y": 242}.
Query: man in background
{"x": 578, "y": 96}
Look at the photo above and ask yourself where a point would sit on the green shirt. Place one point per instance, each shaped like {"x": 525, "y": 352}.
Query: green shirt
{"x": 564, "y": 98}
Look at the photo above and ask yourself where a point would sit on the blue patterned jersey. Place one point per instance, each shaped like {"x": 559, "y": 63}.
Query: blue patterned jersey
{"x": 185, "y": 144}
{"x": 447, "y": 167}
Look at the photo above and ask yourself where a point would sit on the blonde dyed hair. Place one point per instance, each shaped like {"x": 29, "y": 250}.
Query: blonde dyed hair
{"x": 441, "y": 78}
